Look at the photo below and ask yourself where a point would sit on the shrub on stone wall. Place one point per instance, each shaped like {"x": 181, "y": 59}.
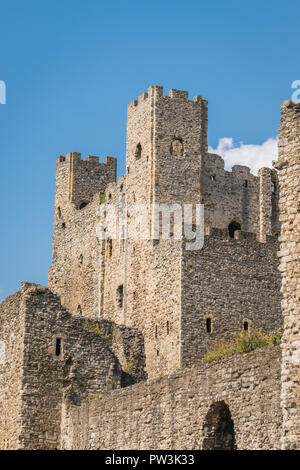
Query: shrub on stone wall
{"x": 243, "y": 342}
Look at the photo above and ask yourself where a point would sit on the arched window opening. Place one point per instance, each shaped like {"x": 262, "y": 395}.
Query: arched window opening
{"x": 246, "y": 183}
{"x": 218, "y": 428}
{"x": 79, "y": 310}
{"x": 212, "y": 177}
{"x": 138, "y": 151}
{"x": 82, "y": 205}
{"x": 59, "y": 212}
{"x": 168, "y": 327}
{"x": 246, "y": 326}
{"x": 120, "y": 294}
{"x": 63, "y": 225}
{"x": 233, "y": 227}
{"x": 208, "y": 325}
{"x": 177, "y": 147}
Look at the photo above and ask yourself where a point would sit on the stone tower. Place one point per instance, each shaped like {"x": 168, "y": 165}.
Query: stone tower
{"x": 166, "y": 136}
{"x": 289, "y": 175}
{"x": 166, "y": 142}
{"x": 74, "y": 273}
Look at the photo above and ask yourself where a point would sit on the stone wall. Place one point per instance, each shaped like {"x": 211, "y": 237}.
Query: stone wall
{"x": 289, "y": 176}
{"x": 11, "y": 369}
{"x": 230, "y": 282}
{"x": 240, "y": 196}
{"x": 182, "y": 411}
{"x": 51, "y": 354}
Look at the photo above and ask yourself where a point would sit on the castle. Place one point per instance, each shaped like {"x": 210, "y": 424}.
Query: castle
{"x": 109, "y": 356}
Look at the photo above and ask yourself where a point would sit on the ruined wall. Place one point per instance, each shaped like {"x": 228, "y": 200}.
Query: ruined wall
{"x": 74, "y": 274}
{"x": 230, "y": 281}
{"x": 175, "y": 412}
{"x": 93, "y": 356}
{"x": 240, "y": 196}
{"x": 289, "y": 176}
{"x": 11, "y": 370}
{"x": 50, "y": 354}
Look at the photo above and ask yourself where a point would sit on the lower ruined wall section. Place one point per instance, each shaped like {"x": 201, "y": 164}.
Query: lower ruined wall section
{"x": 11, "y": 369}
{"x": 46, "y": 355}
{"x": 179, "y": 411}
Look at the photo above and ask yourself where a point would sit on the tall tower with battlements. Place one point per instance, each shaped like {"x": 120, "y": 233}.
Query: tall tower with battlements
{"x": 74, "y": 273}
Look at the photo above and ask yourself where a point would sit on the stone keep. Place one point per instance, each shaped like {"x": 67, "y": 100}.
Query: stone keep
{"x": 169, "y": 293}
{"x": 289, "y": 173}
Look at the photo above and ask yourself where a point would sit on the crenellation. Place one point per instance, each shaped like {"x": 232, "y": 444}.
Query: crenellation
{"x": 92, "y": 159}
{"x": 242, "y": 170}
{"x": 179, "y": 94}
{"x": 156, "y": 92}
{"x": 142, "y": 97}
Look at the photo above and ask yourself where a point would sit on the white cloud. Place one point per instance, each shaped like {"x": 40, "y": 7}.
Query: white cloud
{"x": 253, "y": 156}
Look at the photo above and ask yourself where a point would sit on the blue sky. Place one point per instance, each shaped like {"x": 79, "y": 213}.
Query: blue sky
{"x": 72, "y": 66}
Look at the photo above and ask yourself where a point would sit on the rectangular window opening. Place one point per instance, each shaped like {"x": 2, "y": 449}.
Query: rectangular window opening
{"x": 58, "y": 347}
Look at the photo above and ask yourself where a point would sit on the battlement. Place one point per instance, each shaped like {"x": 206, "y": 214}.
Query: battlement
{"x": 218, "y": 162}
{"x": 288, "y": 106}
{"x": 90, "y": 159}
{"x": 77, "y": 180}
{"x": 156, "y": 92}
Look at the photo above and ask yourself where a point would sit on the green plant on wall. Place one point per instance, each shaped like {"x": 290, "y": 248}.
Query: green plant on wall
{"x": 243, "y": 342}
{"x": 128, "y": 367}
{"x": 94, "y": 328}
{"x": 102, "y": 199}
{"x": 98, "y": 330}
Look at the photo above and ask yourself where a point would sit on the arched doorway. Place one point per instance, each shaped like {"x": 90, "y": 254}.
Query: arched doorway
{"x": 232, "y": 227}
{"x": 218, "y": 428}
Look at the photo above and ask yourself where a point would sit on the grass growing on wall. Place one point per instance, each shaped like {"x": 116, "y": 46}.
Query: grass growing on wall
{"x": 102, "y": 199}
{"x": 243, "y": 342}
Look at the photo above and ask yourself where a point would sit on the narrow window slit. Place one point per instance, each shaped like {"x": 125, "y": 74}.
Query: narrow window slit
{"x": 58, "y": 347}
